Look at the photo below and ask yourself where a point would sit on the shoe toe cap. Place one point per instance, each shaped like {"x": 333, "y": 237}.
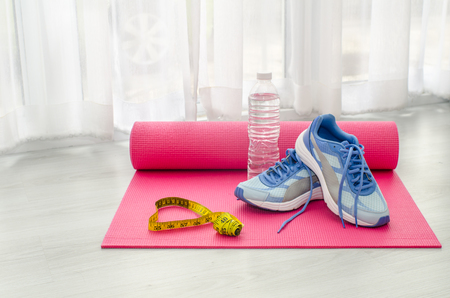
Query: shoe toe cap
{"x": 247, "y": 193}
{"x": 374, "y": 219}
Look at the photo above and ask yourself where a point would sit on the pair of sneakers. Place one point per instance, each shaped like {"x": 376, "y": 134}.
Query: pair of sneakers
{"x": 327, "y": 163}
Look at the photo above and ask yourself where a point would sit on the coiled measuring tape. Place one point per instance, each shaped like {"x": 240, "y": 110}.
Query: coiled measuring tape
{"x": 223, "y": 222}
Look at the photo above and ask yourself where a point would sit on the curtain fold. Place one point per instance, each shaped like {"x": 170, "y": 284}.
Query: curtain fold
{"x": 75, "y": 68}
{"x": 151, "y": 71}
{"x": 383, "y": 79}
{"x": 429, "y": 63}
{"x": 313, "y": 55}
{"x": 43, "y": 92}
{"x": 221, "y": 53}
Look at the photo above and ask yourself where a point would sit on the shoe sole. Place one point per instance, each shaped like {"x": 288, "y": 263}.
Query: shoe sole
{"x": 309, "y": 160}
{"x": 287, "y": 206}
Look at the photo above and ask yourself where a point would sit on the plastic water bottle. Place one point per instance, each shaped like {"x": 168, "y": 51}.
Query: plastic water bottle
{"x": 263, "y": 125}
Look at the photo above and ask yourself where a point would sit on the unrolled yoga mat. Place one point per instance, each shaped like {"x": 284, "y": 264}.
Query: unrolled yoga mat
{"x": 158, "y": 147}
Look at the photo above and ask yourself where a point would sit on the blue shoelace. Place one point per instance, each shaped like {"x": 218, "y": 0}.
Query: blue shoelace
{"x": 356, "y": 166}
{"x": 284, "y": 168}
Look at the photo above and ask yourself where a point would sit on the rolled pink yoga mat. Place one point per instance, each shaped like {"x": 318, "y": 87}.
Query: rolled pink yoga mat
{"x": 224, "y": 145}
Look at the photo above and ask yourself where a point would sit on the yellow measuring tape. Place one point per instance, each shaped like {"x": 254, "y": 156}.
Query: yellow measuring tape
{"x": 224, "y": 222}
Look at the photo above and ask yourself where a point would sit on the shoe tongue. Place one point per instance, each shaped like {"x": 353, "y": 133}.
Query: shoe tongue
{"x": 353, "y": 140}
{"x": 355, "y": 175}
{"x": 291, "y": 152}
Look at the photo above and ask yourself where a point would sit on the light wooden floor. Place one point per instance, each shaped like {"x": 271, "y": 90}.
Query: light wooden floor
{"x": 56, "y": 206}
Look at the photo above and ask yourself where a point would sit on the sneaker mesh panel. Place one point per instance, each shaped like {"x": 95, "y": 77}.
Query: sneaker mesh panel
{"x": 303, "y": 173}
{"x": 333, "y": 160}
{"x": 373, "y": 202}
{"x": 277, "y": 194}
{"x": 255, "y": 183}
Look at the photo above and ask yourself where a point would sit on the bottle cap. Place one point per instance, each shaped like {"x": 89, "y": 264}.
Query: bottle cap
{"x": 264, "y": 76}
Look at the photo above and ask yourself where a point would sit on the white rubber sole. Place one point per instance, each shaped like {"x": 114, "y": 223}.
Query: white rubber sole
{"x": 291, "y": 205}
{"x": 309, "y": 160}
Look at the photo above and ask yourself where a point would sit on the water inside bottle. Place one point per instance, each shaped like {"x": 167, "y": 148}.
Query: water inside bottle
{"x": 263, "y": 132}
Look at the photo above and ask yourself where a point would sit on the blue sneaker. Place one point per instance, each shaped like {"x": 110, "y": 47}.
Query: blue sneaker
{"x": 348, "y": 187}
{"x": 286, "y": 186}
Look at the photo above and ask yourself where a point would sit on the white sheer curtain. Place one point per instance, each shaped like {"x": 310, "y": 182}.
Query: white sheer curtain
{"x": 54, "y": 79}
{"x": 80, "y": 68}
{"x": 327, "y": 56}
{"x": 313, "y": 56}
{"x": 84, "y": 68}
{"x": 375, "y": 46}
{"x": 429, "y": 58}
{"x": 151, "y": 77}
{"x": 299, "y": 41}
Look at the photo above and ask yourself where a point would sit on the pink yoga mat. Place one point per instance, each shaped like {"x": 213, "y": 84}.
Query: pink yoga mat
{"x": 317, "y": 227}
{"x": 224, "y": 145}
{"x": 188, "y": 148}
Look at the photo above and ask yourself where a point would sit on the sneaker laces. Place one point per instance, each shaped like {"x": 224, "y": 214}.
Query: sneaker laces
{"x": 304, "y": 206}
{"x": 283, "y": 168}
{"x": 356, "y": 166}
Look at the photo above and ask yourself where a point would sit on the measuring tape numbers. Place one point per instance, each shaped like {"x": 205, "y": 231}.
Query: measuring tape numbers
{"x": 223, "y": 222}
